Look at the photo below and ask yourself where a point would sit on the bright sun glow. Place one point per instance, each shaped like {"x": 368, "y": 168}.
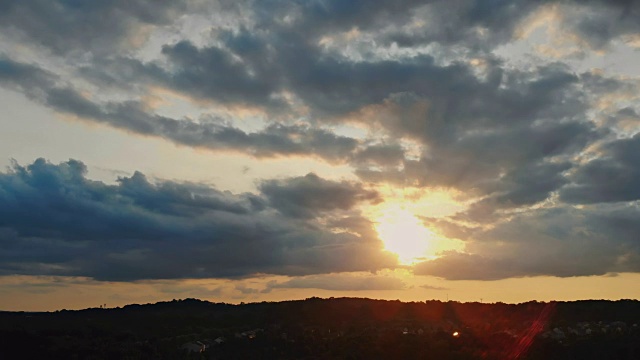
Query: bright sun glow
{"x": 403, "y": 234}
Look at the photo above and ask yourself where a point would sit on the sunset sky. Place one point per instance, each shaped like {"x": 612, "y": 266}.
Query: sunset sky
{"x": 243, "y": 151}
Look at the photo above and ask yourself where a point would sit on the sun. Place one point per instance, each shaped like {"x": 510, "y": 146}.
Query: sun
{"x": 403, "y": 234}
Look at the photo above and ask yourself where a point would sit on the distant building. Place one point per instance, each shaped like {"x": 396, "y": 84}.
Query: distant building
{"x": 195, "y": 346}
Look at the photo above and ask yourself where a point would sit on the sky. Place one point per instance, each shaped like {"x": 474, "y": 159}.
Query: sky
{"x": 243, "y": 151}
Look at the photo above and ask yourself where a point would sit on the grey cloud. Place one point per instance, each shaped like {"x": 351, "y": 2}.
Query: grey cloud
{"x": 548, "y": 93}
{"x": 26, "y": 78}
{"x": 382, "y": 155}
{"x": 611, "y": 177}
{"x": 476, "y": 161}
{"x": 355, "y": 223}
{"x": 327, "y": 84}
{"x": 531, "y": 184}
{"x": 599, "y": 22}
{"x": 480, "y": 139}
{"x": 483, "y": 25}
{"x": 523, "y": 186}
{"x": 562, "y": 242}
{"x": 217, "y": 134}
{"x": 55, "y": 221}
{"x": 317, "y": 17}
{"x": 309, "y": 195}
{"x": 96, "y": 26}
{"x": 341, "y": 282}
{"x": 256, "y": 68}
{"x": 449, "y": 227}
{"x": 622, "y": 114}
{"x": 505, "y": 136}
{"x": 459, "y": 266}
{"x": 476, "y": 25}
{"x": 213, "y": 73}
{"x": 474, "y": 129}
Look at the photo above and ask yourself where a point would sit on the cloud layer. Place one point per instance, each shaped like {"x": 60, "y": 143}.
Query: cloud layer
{"x": 424, "y": 94}
{"x": 54, "y": 221}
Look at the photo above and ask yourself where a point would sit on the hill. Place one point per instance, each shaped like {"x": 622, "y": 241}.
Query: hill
{"x": 335, "y": 328}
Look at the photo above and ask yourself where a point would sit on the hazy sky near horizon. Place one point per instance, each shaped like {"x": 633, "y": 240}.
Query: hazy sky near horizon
{"x": 269, "y": 150}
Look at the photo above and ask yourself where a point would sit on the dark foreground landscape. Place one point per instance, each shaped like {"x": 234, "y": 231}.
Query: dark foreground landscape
{"x": 341, "y": 328}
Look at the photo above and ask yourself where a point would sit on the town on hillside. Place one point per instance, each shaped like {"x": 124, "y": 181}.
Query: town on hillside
{"x": 335, "y": 328}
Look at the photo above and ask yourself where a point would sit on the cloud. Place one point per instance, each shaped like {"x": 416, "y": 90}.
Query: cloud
{"x": 522, "y": 187}
{"x": 562, "y": 241}
{"x": 211, "y": 133}
{"x": 507, "y": 118}
{"x": 38, "y": 284}
{"x": 433, "y": 102}
{"x": 97, "y": 26}
{"x": 489, "y": 138}
{"x": 340, "y": 282}
{"x": 599, "y": 22}
{"x": 245, "y": 290}
{"x": 380, "y": 154}
{"x": 611, "y": 177}
{"x": 459, "y": 266}
{"x": 310, "y": 195}
{"x": 214, "y": 73}
{"x": 55, "y": 221}
{"x": 175, "y": 288}
{"x": 431, "y": 287}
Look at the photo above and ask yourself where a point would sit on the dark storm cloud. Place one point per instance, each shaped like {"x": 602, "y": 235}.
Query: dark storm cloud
{"x": 611, "y": 177}
{"x": 55, "y": 221}
{"x": 562, "y": 242}
{"x": 309, "y": 195}
{"x": 98, "y": 26}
